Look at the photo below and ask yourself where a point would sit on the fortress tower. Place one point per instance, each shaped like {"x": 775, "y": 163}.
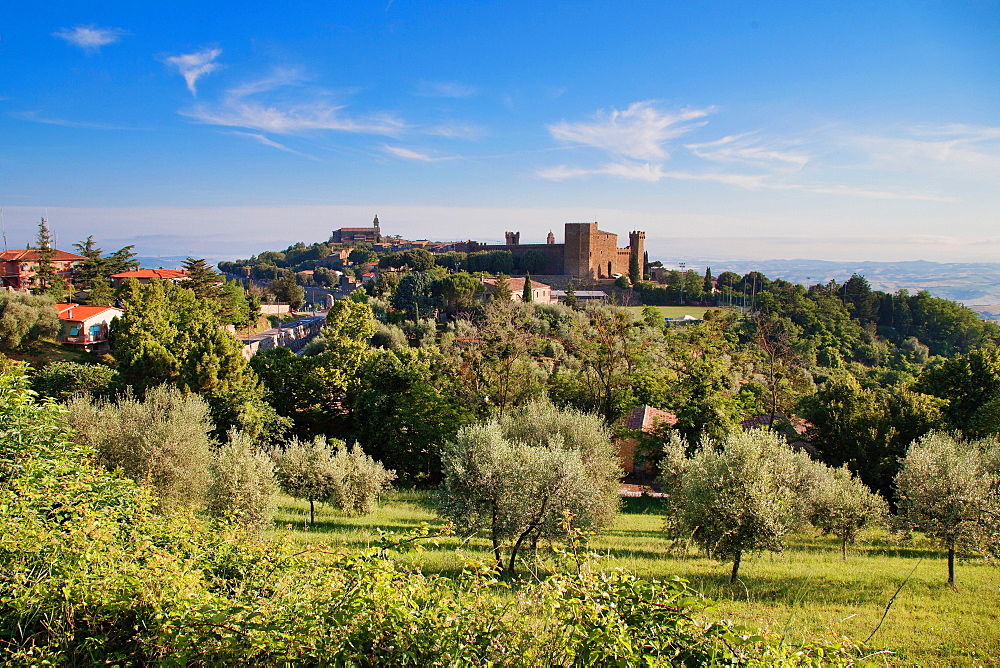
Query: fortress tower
{"x": 637, "y": 250}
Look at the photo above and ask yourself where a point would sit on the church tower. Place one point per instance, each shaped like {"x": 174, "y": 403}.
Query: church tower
{"x": 551, "y": 239}
{"x": 375, "y": 222}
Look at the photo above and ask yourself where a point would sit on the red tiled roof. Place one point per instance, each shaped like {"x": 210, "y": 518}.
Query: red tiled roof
{"x": 31, "y": 255}
{"x": 516, "y": 284}
{"x": 648, "y": 418}
{"x": 152, "y": 273}
{"x": 78, "y": 312}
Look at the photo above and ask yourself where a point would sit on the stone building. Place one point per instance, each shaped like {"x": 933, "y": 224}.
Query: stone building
{"x": 587, "y": 252}
{"x": 346, "y": 235}
{"x": 18, "y": 267}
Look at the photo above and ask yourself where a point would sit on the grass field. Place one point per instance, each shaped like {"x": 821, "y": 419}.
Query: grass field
{"x": 678, "y": 311}
{"x": 807, "y": 591}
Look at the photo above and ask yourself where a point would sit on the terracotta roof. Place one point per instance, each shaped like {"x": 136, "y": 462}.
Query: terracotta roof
{"x": 648, "y": 418}
{"x": 516, "y": 284}
{"x": 78, "y": 312}
{"x": 165, "y": 274}
{"x": 31, "y": 255}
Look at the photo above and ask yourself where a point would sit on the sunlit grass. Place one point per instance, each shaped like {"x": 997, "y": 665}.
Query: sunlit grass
{"x": 808, "y": 591}
{"x": 678, "y": 311}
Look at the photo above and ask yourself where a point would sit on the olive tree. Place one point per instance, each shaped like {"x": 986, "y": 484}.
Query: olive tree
{"x": 162, "y": 440}
{"x": 305, "y": 470}
{"x": 519, "y": 477}
{"x": 328, "y": 472}
{"x": 25, "y": 318}
{"x": 242, "y": 488}
{"x": 743, "y": 496}
{"x": 843, "y": 505}
{"x": 950, "y": 490}
{"x": 360, "y": 481}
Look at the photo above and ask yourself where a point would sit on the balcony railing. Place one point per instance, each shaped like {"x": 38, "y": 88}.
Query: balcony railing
{"x": 84, "y": 339}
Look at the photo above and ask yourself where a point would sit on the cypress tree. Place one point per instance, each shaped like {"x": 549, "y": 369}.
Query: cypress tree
{"x": 526, "y": 294}
{"x": 45, "y": 270}
{"x": 571, "y": 295}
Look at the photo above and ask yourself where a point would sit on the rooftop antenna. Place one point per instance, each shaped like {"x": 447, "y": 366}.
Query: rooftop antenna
{"x": 3, "y": 227}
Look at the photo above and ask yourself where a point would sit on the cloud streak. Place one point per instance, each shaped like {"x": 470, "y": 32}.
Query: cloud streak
{"x": 35, "y": 117}
{"x": 261, "y": 139}
{"x": 252, "y": 106}
{"x": 638, "y": 132}
{"x": 409, "y": 154}
{"x": 742, "y": 148}
{"x": 449, "y": 89}
{"x": 90, "y": 38}
{"x": 652, "y": 173}
{"x": 193, "y": 66}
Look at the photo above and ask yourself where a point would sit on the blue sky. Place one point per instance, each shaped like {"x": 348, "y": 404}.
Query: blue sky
{"x": 847, "y": 130}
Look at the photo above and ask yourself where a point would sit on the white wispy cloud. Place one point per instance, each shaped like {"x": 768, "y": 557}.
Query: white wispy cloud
{"x": 410, "y": 154}
{"x": 266, "y": 141}
{"x": 445, "y": 89}
{"x": 639, "y": 132}
{"x": 193, "y": 66}
{"x": 744, "y": 148}
{"x": 456, "y": 131}
{"x": 90, "y": 38}
{"x": 653, "y": 173}
{"x": 36, "y": 117}
{"x": 251, "y": 106}
{"x": 973, "y": 148}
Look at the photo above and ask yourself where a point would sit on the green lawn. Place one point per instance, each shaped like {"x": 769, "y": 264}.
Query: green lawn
{"x": 678, "y": 311}
{"x": 807, "y": 591}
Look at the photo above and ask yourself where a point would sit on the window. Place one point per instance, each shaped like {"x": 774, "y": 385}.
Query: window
{"x": 74, "y": 329}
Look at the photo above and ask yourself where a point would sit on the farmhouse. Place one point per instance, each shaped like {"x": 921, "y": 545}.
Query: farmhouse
{"x": 86, "y": 326}
{"x": 18, "y": 267}
{"x": 641, "y": 420}
{"x": 540, "y": 292}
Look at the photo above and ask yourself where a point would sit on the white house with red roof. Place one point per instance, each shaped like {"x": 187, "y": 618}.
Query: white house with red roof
{"x": 18, "y": 267}
{"x": 146, "y": 275}
{"x": 86, "y": 326}
{"x": 540, "y": 292}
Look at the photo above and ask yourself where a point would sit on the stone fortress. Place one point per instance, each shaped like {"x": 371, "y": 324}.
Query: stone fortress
{"x": 588, "y": 252}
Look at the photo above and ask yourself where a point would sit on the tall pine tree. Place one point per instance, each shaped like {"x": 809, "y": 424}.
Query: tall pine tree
{"x": 93, "y": 267}
{"x": 46, "y": 276}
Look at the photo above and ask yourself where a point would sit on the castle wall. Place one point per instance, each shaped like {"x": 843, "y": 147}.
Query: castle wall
{"x": 585, "y": 255}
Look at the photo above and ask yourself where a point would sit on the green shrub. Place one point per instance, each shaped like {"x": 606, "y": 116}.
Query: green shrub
{"x": 62, "y": 380}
